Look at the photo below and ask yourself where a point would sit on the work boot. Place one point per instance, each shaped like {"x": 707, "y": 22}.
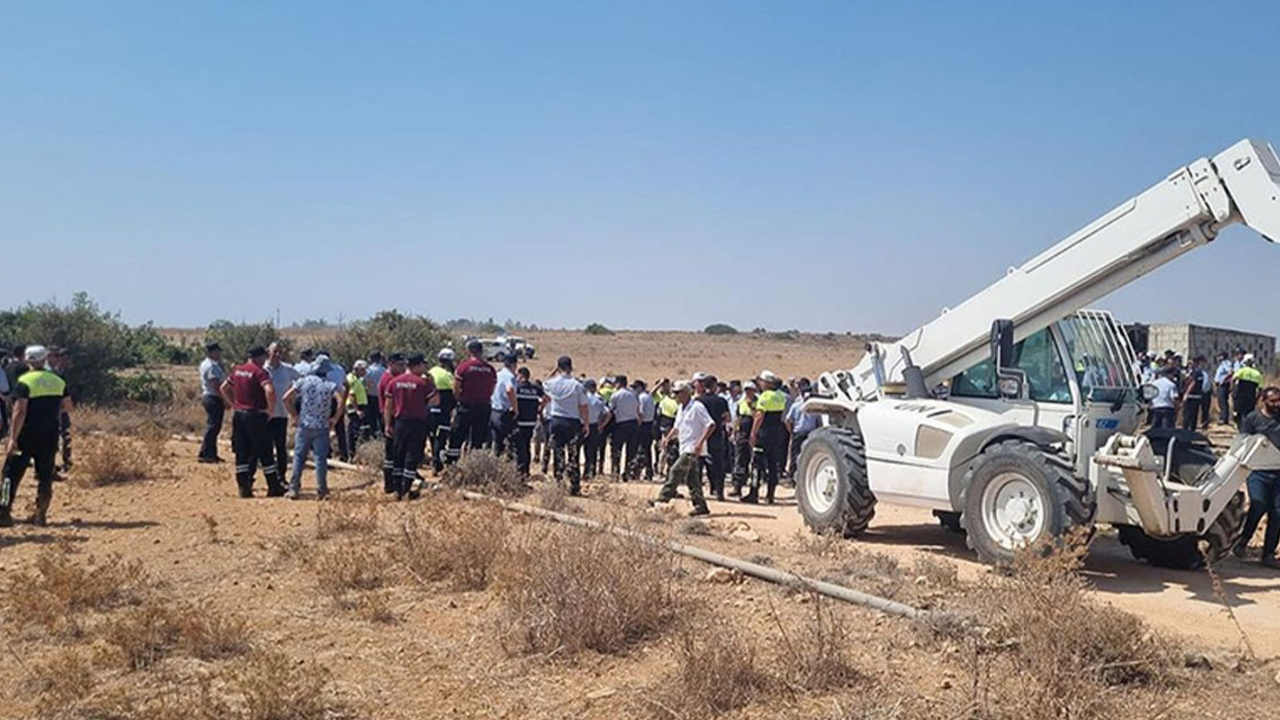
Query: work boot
{"x": 1240, "y": 550}
{"x": 736, "y": 491}
{"x": 768, "y": 498}
{"x": 246, "y": 490}
{"x": 41, "y": 516}
{"x": 700, "y": 511}
{"x": 1270, "y": 561}
{"x": 720, "y": 495}
{"x": 752, "y": 497}
{"x": 6, "y": 518}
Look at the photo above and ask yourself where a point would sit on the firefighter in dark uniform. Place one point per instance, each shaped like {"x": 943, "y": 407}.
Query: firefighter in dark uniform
{"x": 668, "y": 408}
{"x": 39, "y": 399}
{"x": 395, "y": 366}
{"x": 768, "y": 438}
{"x": 59, "y": 362}
{"x": 250, "y": 393}
{"x": 742, "y": 439}
{"x": 529, "y": 402}
{"x": 442, "y": 414}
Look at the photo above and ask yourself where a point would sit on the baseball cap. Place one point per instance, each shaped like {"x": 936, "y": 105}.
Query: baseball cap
{"x": 769, "y": 376}
{"x": 359, "y": 365}
{"x": 36, "y": 354}
{"x": 474, "y": 346}
{"x": 681, "y": 386}
{"x": 395, "y": 357}
{"x": 749, "y": 385}
{"x": 212, "y": 347}
{"x": 445, "y": 354}
{"x": 417, "y": 359}
{"x": 258, "y": 351}
{"x": 700, "y": 376}
{"x": 1248, "y": 357}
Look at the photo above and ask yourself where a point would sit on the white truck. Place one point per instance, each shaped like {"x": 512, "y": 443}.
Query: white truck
{"x": 1015, "y": 415}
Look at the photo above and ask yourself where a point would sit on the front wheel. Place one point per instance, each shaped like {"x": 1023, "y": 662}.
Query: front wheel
{"x": 1016, "y": 495}
{"x": 831, "y": 482}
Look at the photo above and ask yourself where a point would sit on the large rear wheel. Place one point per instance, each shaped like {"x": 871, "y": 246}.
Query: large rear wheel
{"x": 831, "y": 484}
{"x": 1016, "y": 494}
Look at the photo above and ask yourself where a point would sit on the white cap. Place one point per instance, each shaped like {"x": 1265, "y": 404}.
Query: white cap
{"x": 360, "y": 365}
{"x": 445, "y": 354}
{"x": 700, "y": 376}
{"x": 36, "y": 354}
{"x": 749, "y": 385}
{"x": 680, "y": 385}
{"x": 769, "y": 376}
{"x": 1248, "y": 357}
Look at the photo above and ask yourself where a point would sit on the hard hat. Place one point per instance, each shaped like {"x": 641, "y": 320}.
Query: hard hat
{"x": 36, "y": 354}
{"x": 769, "y": 376}
{"x": 1248, "y": 357}
{"x": 445, "y": 354}
{"x": 359, "y": 365}
{"x": 749, "y": 385}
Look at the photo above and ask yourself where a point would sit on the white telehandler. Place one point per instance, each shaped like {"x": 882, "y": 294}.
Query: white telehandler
{"x": 1014, "y": 416}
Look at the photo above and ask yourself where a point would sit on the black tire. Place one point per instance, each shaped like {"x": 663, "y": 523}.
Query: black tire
{"x": 949, "y": 520}
{"x": 1065, "y": 498}
{"x": 1192, "y": 465}
{"x": 852, "y": 504}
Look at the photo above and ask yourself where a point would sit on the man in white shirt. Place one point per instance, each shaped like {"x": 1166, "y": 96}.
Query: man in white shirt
{"x": 1164, "y": 405}
{"x": 693, "y": 427}
{"x": 502, "y": 404}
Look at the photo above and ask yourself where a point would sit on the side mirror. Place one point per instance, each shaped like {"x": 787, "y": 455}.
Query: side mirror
{"x": 1001, "y": 344}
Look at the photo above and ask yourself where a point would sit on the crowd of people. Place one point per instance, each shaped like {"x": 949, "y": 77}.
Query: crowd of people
{"x": 1186, "y": 393}
{"x": 573, "y": 426}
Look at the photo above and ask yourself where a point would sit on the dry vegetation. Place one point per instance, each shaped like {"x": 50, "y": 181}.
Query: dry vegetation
{"x": 487, "y": 473}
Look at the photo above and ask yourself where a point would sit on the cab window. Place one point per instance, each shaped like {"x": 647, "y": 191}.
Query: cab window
{"x": 1037, "y": 357}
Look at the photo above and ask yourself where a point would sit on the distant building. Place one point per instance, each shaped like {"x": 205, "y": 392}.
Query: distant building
{"x": 1192, "y": 340}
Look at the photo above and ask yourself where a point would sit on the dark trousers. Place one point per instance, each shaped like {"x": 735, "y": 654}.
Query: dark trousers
{"x": 372, "y": 419}
{"x": 1243, "y": 403}
{"x": 470, "y": 427}
{"x": 357, "y": 430}
{"x": 1264, "y": 499}
{"x": 717, "y": 460}
{"x": 441, "y": 430}
{"x": 742, "y": 456}
{"x": 388, "y": 464}
{"x": 251, "y": 442}
{"x": 797, "y": 442}
{"x": 591, "y": 452}
{"x": 214, "y": 410}
{"x": 501, "y": 426}
{"x": 41, "y": 452}
{"x": 521, "y": 442}
{"x": 1224, "y": 403}
{"x": 624, "y": 440}
{"x": 566, "y": 436}
{"x": 606, "y": 436}
{"x": 1190, "y": 413}
{"x": 279, "y": 441}
{"x": 344, "y": 447}
{"x": 644, "y": 451}
{"x": 1163, "y": 418}
{"x": 1206, "y": 403}
{"x": 770, "y": 455}
{"x": 410, "y": 444}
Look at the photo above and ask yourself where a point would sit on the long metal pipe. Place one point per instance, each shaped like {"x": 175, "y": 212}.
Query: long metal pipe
{"x": 762, "y": 572}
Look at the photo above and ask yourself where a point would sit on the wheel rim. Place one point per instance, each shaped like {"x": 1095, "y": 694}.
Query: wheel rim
{"x": 1013, "y": 511}
{"x": 821, "y": 482}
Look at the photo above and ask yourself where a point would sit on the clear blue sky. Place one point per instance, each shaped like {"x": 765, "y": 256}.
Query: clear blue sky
{"x": 826, "y": 166}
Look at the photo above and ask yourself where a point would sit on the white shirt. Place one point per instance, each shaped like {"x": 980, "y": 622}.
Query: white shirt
{"x": 506, "y": 381}
{"x": 1168, "y": 395}
{"x": 692, "y": 422}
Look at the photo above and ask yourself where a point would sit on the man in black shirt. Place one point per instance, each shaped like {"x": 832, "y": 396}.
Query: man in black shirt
{"x": 1264, "y": 485}
{"x": 718, "y": 443}
{"x": 529, "y": 402}
{"x": 39, "y": 399}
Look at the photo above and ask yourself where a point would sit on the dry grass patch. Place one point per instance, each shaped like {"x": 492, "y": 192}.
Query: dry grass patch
{"x": 276, "y": 687}
{"x": 59, "y": 681}
{"x": 552, "y": 496}
{"x": 566, "y": 590}
{"x": 816, "y": 655}
{"x": 453, "y": 540}
{"x": 346, "y": 517}
{"x": 107, "y": 460}
{"x": 718, "y": 671}
{"x": 57, "y": 590}
{"x": 482, "y": 471}
{"x": 143, "y": 636}
{"x": 350, "y": 566}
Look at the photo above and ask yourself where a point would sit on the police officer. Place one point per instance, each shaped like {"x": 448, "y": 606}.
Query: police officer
{"x": 593, "y": 441}
{"x": 59, "y": 362}
{"x": 39, "y": 399}
{"x": 529, "y": 402}
{"x": 742, "y": 455}
{"x": 624, "y": 410}
{"x": 605, "y": 393}
{"x": 668, "y": 408}
{"x": 569, "y": 414}
{"x": 768, "y": 438}
{"x": 1245, "y": 383}
{"x": 1193, "y": 394}
{"x": 644, "y": 435}
{"x": 442, "y": 414}
{"x": 717, "y": 449}
{"x": 473, "y": 385}
{"x": 251, "y": 395}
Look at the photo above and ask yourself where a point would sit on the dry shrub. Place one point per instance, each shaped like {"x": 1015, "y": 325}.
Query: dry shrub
{"x": 718, "y": 671}
{"x": 350, "y": 566}
{"x": 371, "y": 607}
{"x": 874, "y": 572}
{"x": 189, "y": 701}
{"x": 815, "y": 657}
{"x": 346, "y": 517}
{"x": 276, "y": 687}
{"x": 552, "y": 496}
{"x": 484, "y": 472}
{"x": 694, "y": 526}
{"x": 368, "y": 458}
{"x": 57, "y": 589}
{"x": 60, "y": 681}
{"x": 937, "y": 573}
{"x": 453, "y": 541}
{"x": 103, "y": 460}
{"x": 565, "y": 590}
{"x": 144, "y": 636}
{"x": 1049, "y": 651}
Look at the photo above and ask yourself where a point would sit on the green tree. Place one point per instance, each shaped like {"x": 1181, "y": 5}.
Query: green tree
{"x": 721, "y": 329}
{"x": 597, "y": 329}
{"x": 388, "y": 331}
{"x": 237, "y": 338}
{"x": 96, "y": 341}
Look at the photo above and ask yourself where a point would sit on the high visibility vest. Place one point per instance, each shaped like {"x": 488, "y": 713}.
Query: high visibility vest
{"x": 359, "y": 395}
{"x": 669, "y": 407}
{"x": 771, "y": 401}
{"x": 1248, "y": 374}
{"x": 42, "y": 384}
{"x": 442, "y": 378}
{"x": 606, "y": 393}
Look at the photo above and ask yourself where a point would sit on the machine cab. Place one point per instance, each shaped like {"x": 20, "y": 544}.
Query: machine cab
{"x": 1077, "y": 376}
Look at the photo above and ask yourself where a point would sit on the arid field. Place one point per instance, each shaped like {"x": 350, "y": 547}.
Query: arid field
{"x": 156, "y": 594}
